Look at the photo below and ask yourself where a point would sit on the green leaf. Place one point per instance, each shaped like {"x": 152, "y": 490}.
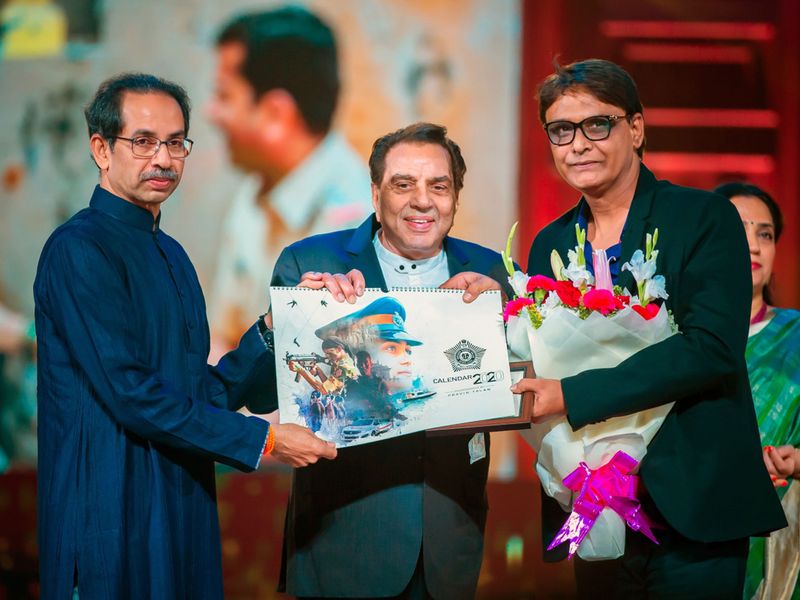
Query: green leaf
{"x": 580, "y": 235}
{"x": 506, "y": 254}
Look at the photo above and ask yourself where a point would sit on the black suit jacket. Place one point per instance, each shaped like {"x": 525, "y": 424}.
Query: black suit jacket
{"x": 355, "y": 525}
{"x": 704, "y": 468}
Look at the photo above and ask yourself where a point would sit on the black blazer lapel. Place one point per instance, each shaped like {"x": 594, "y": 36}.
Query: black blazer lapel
{"x": 566, "y": 240}
{"x": 361, "y": 254}
{"x": 638, "y": 224}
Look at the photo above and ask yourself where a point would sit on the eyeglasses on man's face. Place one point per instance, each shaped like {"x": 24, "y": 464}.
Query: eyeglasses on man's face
{"x": 147, "y": 146}
{"x": 594, "y": 128}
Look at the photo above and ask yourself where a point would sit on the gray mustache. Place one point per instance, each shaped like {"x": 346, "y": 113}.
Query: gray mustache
{"x": 159, "y": 174}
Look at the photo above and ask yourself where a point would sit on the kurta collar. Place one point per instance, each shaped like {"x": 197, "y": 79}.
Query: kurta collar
{"x": 124, "y": 211}
{"x": 405, "y": 266}
{"x": 364, "y": 258}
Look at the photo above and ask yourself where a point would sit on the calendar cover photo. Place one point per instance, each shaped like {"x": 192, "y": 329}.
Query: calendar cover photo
{"x": 392, "y": 364}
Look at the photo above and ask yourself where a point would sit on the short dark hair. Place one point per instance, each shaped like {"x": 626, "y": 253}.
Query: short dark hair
{"x": 292, "y": 49}
{"x": 418, "y": 133}
{"x": 335, "y": 342}
{"x": 104, "y": 113}
{"x": 362, "y": 356}
{"x": 741, "y": 188}
{"x": 603, "y": 79}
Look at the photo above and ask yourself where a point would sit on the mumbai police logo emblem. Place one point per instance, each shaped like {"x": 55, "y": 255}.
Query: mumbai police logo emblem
{"x": 465, "y": 355}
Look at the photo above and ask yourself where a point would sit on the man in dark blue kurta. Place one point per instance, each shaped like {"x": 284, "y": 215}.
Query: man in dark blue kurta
{"x": 131, "y": 418}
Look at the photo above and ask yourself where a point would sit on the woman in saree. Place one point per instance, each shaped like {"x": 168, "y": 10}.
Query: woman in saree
{"x": 773, "y": 364}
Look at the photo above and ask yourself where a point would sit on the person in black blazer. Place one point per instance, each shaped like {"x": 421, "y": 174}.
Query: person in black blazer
{"x": 403, "y": 517}
{"x": 703, "y": 476}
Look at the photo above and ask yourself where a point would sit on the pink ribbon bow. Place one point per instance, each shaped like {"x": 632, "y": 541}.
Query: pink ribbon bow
{"x": 609, "y": 486}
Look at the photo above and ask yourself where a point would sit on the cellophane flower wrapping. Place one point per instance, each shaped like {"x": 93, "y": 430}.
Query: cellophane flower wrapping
{"x": 566, "y": 345}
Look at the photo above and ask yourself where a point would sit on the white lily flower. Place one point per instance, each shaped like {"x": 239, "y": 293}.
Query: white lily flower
{"x": 572, "y": 257}
{"x": 579, "y": 276}
{"x": 519, "y": 283}
{"x": 655, "y": 288}
{"x": 641, "y": 269}
{"x": 551, "y": 302}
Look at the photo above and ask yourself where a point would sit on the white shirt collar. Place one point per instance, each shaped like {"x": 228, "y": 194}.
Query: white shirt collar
{"x": 405, "y": 266}
{"x": 296, "y": 196}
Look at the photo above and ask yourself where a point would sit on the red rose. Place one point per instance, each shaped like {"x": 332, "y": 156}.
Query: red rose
{"x": 541, "y": 282}
{"x": 602, "y": 301}
{"x": 647, "y": 312}
{"x": 514, "y": 307}
{"x": 568, "y": 293}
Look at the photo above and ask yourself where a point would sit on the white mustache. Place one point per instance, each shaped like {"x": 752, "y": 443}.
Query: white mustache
{"x": 159, "y": 174}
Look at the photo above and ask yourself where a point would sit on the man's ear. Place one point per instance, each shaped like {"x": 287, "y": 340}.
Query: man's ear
{"x": 637, "y": 130}
{"x": 100, "y": 149}
{"x": 376, "y": 201}
{"x": 277, "y": 111}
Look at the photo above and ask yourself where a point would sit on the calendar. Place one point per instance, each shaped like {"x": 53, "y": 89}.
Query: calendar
{"x": 391, "y": 364}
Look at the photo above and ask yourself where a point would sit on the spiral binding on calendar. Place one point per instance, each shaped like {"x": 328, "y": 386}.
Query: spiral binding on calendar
{"x": 425, "y": 290}
{"x": 434, "y": 290}
{"x": 393, "y": 289}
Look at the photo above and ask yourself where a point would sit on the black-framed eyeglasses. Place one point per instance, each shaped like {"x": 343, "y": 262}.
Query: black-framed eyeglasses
{"x": 594, "y": 128}
{"x": 147, "y": 146}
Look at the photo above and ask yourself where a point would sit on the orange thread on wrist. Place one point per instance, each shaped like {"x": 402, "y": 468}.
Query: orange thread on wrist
{"x": 270, "y": 441}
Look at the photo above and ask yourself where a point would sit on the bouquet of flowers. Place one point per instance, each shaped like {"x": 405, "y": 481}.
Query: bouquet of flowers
{"x": 566, "y": 325}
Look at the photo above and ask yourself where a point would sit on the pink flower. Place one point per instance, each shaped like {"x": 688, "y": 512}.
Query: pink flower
{"x": 647, "y": 312}
{"x": 541, "y": 282}
{"x": 568, "y": 293}
{"x": 602, "y": 301}
{"x": 514, "y": 307}
{"x": 602, "y": 270}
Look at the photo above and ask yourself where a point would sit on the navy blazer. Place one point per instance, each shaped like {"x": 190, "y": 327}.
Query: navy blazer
{"x": 703, "y": 469}
{"x": 355, "y": 525}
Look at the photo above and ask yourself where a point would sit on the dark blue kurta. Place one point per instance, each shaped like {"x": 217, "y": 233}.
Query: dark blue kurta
{"x": 131, "y": 417}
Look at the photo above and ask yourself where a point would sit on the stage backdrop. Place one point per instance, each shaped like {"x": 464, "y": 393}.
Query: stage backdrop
{"x": 454, "y": 62}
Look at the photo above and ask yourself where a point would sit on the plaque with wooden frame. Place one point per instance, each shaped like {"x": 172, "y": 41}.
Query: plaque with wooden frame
{"x": 521, "y": 420}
